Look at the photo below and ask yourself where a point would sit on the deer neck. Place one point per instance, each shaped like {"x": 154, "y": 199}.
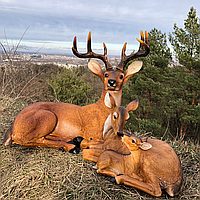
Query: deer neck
{"x": 136, "y": 156}
{"x": 117, "y": 95}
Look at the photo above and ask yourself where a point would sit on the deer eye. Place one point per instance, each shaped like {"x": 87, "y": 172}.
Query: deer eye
{"x": 133, "y": 141}
{"x": 106, "y": 75}
{"x": 121, "y": 76}
{"x": 115, "y": 115}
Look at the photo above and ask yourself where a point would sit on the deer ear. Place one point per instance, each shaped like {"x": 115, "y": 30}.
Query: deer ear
{"x": 133, "y": 68}
{"x": 132, "y": 105}
{"x": 95, "y": 68}
{"x": 109, "y": 101}
{"x": 145, "y": 146}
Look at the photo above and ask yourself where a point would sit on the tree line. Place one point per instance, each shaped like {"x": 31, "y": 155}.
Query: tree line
{"x": 169, "y": 92}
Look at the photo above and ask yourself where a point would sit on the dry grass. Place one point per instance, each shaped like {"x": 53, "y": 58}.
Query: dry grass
{"x": 44, "y": 173}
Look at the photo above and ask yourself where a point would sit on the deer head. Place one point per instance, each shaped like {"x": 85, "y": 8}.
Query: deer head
{"x": 118, "y": 115}
{"x": 134, "y": 143}
{"x": 113, "y": 79}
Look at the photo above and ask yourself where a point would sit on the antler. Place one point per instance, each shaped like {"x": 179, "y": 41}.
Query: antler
{"x": 90, "y": 53}
{"x": 140, "y": 53}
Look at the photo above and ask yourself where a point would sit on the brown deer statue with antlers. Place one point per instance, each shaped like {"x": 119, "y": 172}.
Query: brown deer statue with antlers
{"x": 64, "y": 126}
{"x": 150, "y": 165}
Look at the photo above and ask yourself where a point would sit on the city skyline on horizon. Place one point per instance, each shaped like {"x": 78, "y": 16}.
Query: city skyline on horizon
{"x": 63, "y": 47}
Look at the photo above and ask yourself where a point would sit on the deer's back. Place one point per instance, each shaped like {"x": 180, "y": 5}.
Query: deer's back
{"x": 162, "y": 161}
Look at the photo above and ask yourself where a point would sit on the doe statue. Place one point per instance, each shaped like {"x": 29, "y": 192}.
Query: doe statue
{"x": 113, "y": 124}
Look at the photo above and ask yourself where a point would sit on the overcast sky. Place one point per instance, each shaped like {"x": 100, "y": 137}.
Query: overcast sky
{"x": 54, "y": 23}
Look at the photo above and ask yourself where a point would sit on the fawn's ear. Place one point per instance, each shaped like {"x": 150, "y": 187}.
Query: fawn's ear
{"x": 132, "y": 105}
{"x": 145, "y": 146}
{"x": 109, "y": 101}
{"x": 95, "y": 68}
{"x": 133, "y": 68}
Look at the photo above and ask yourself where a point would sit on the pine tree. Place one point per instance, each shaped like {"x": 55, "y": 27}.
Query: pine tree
{"x": 160, "y": 54}
{"x": 148, "y": 84}
{"x": 186, "y": 44}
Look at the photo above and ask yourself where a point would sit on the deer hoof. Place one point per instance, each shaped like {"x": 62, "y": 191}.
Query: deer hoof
{"x": 112, "y": 180}
{"x": 77, "y": 141}
{"x": 62, "y": 149}
{"x": 75, "y": 150}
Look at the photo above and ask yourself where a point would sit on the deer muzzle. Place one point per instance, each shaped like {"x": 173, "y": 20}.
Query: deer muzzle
{"x": 120, "y": 134}
{"x": 112, "y": 83}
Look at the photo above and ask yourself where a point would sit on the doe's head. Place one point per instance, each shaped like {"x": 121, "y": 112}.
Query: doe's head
{"x": 118, "y": 114}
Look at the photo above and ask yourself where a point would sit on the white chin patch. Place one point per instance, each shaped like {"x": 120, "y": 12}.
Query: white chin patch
{"x": 107, "y": 100}
{"x": 128, "y": 117}
{"x": 107, "y": 125}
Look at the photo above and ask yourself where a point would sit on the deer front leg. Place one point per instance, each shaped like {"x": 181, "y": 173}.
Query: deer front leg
{"x": 43, "y": 142}
{"x": 65, "y": 143}
{"x": 91, "y": 154}
{"x": 58, "y": 144}
{"x": 57, "y": 138}
{"x": 106, "y": 165}
{"x": 107, "y": 172}
{"x": 136, "y": 177}
{"x": 150, "y": 188}
{"x": 95, "y": 143}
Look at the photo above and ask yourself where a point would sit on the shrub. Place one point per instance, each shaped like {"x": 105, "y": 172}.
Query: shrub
{"x": 70, "y": 86}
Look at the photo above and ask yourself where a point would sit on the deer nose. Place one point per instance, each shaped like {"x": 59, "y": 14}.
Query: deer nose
{"x": 111, "y": 82}
{"x": 120, "y": 134}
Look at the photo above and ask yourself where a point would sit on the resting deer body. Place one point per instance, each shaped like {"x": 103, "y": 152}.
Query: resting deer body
{"x": 150, "y": 166}
{"x": 63, "y": 125}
